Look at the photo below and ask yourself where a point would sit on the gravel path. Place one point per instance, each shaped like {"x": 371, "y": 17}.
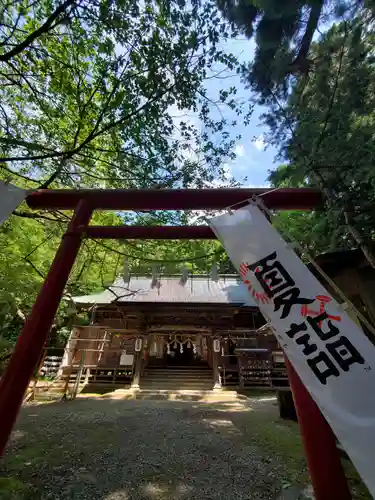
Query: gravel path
{"x": 149, "y": 450}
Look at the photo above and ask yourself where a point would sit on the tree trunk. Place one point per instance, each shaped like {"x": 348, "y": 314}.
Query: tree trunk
{"x": 366, "y": 249}
{"x": 301, "y": 64}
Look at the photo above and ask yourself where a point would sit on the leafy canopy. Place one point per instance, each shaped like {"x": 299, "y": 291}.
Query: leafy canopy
{"x": 101, "y": 94}
{"x": 283, "y": 33}
{"x": 93, "y": 98}
{"x": 325, "y": 132}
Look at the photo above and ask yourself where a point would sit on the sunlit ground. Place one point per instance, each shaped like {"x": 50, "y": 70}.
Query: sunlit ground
{"x": 110, "y": 449}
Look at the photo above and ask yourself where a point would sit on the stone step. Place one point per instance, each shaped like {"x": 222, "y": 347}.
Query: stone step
{"x": 151, "y": 376}
{"x": 161, "y": 378}
{"x": 177, "y": 387}
{"x": 182, "y": 372}
{"x": 200, "y": 392}
{"x": 177, "y": 380}
{"x": 178, "y": 367}
{"x": 172, "y": 373}
{"x": 177, "y": 377}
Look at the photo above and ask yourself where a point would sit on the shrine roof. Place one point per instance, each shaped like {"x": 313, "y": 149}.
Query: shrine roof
{"x": 227, "y": 290}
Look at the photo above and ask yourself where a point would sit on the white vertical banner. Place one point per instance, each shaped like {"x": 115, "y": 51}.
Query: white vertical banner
{"x": 329, "y": 351}
{"x": 10, "y": 197}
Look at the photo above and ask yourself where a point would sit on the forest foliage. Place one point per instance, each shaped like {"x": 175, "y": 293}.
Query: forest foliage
{"x": 325, "y": 132}
{"x": 98, "y": 94}
{"x": 314, "y": 69}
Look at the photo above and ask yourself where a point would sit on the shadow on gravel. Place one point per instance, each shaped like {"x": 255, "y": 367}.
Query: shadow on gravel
{"x": 128, "y": 450}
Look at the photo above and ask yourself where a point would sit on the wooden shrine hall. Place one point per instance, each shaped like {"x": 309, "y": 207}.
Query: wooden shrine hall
{"x": 150, "y": 332}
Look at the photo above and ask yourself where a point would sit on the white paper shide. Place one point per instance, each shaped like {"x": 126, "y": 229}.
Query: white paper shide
{"x": 329, "y": 351}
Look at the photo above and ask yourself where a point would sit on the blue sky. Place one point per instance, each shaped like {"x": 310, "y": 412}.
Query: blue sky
{"x": 253, "y": 160}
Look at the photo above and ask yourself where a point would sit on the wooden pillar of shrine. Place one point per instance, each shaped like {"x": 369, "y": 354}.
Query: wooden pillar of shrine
{"x": 138, "y": 360}
{"x": 215, "y": 364}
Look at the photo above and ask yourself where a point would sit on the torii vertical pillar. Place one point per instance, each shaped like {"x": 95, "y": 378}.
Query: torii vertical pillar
{"x": 322, "y": 456}
{"x": 30, "y": 343}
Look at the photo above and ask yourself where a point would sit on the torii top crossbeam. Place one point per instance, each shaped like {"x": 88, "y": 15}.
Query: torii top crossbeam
{"x": 174, "y": 199}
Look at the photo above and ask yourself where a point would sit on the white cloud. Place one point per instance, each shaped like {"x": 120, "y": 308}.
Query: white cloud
{"x": 259, "y": 143}
{"x": 240, "y": 150}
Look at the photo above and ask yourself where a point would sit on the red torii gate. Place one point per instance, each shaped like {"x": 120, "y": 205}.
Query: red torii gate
{"x": 322, "y": 456}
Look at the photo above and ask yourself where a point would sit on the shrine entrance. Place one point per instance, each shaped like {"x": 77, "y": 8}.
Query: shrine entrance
{"x": 180, "y": 353}
{"x": 177, "y": 350}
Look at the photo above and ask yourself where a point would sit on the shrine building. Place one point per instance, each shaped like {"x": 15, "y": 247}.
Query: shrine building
{"x": 172, "y": 332}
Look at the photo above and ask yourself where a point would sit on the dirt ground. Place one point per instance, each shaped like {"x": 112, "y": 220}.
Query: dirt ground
{"x": 154, "y": 450}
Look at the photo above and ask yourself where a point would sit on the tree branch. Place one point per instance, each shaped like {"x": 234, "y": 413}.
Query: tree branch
{"x": 27, "y": 215}
{"x": 17, "y": 174}
{"x": 34, "y": 267}
{"x": 92, "y": 135}
{"x": 35, "y": 34}
{"x": 127, "y": 117}
{"x": 13, "y": 29}
{"x": 56, "y": 154}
